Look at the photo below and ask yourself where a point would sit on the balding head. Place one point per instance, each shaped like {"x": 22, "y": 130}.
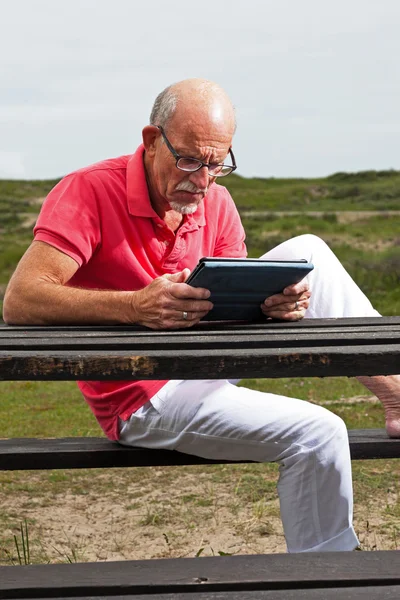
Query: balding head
{"x": 194, "y": 100}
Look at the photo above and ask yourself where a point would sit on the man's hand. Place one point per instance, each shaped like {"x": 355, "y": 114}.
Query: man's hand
{"x": 290, "y": 305}
{"x": 169, "y": 303}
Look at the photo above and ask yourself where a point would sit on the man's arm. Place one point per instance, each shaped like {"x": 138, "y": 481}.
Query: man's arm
{"x": 37, "y": 295}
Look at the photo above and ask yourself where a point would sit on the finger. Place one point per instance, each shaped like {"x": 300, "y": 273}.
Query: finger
{"x": 181, "y": 321}
{"x": 292, "y": 306}
{"x": 299, "y": 304}
{"x": 180, "y": 290}
{"x": 173, "y": 307}
{"x": 179, "y": 277}
{"x": 176, "y": 321}
{"x": 282, "y": 309}
{"x": 185, "y": 315}
{"x": 286, "y": 309}
{"x": 296, "y": 288}
{"x": 298, "y": 297}
{"x": 194, "y": 306}
{"x": 284, "y": 315}
{"x": 280, "y": 299}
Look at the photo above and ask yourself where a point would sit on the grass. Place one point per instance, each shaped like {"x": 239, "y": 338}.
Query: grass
{"x": 368, "y": 190}
{"x": 44, "y": 409}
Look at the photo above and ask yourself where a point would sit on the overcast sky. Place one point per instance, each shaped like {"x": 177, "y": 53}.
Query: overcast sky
{"x": 316, "y": 83}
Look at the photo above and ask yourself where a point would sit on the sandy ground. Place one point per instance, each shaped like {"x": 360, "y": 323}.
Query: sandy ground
{"x": 171, "y": 513}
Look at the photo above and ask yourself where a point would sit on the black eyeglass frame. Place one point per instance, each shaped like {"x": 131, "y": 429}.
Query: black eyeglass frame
{"x": 202, "y": 164}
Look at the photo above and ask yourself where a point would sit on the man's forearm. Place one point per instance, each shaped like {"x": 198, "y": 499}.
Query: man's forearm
{"x": 50, "y": 303}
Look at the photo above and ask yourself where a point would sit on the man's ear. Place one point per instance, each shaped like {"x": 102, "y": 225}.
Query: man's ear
{"x": 150, "y": 133}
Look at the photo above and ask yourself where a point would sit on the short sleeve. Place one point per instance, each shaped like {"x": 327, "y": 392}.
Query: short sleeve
{"x": 69, "y": 218}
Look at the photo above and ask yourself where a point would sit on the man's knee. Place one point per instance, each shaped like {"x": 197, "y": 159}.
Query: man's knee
{"x": 309, "y": 242}
{"x": 326, "y": 430}
{"x": 305, "y": 246}
{"x": 334, "y": 426}
{"x": 310, "y": 239}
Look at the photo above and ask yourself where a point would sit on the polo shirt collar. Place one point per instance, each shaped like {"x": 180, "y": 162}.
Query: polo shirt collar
{"x": 139, "y": 204}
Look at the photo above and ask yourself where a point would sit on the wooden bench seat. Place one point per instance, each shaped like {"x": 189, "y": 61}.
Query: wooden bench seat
{"x": 79, "y": 453}
{"x": 339, "y": 575}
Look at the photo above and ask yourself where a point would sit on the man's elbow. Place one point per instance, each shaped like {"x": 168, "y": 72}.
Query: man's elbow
{"x": 10, "y": 315}
{"x": 14, "y": 310}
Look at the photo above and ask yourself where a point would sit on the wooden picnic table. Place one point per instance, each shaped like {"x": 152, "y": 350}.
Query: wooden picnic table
{"x": 309, "y": 348}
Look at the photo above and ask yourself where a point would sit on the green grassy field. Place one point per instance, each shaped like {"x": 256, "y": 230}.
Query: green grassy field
{"x": 350, "y": 212}
{"x": 368, "y": 190}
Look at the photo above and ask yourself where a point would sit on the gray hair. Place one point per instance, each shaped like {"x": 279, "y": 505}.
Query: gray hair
{"x": 164, "y": 107}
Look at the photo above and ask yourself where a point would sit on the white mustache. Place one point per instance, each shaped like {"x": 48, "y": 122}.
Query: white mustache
{"x": 188, "y": 186}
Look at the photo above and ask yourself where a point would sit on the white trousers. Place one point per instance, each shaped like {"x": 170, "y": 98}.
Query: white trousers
{"x": 217, "y": 419}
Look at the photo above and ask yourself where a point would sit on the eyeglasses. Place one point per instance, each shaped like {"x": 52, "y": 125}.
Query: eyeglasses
{"x": 186, "y": 163}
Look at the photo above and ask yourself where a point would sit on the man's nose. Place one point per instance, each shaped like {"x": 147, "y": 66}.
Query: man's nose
{"x": 200, "y": 178}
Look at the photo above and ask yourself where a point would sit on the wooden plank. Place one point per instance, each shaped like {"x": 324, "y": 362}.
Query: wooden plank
{"x": 215, "y": 325}
{"x": 214, "y": 328}
{"x": 77, "y": 453}
{"x": 210, "y": 574}
{"x": 383, "y": 592}
{"x": 258, "y": 339}
{"x": 201, "y": 364}
{"x": 80, "y": 453}
{"x": 268, "y": 333}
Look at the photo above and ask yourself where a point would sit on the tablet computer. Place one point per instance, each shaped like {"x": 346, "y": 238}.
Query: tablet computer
{"x": 239, "y": 285}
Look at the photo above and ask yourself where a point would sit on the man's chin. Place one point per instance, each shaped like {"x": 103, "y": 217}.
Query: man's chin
{"x": 184, "y": 209}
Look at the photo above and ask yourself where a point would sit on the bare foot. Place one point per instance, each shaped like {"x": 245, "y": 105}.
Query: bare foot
{"x": 387, "y": 389}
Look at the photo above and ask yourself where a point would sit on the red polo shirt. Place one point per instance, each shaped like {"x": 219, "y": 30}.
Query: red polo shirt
{"x": 102, "y": 217}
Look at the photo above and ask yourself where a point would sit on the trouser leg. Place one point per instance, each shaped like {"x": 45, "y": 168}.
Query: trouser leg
{"x": 216, "y": 419}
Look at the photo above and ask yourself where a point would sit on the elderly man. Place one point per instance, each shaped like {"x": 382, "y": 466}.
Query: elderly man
{"x": 115, "y": 242}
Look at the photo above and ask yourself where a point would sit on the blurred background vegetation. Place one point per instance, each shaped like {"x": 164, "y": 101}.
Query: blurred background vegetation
{"x": 357, "y": 214}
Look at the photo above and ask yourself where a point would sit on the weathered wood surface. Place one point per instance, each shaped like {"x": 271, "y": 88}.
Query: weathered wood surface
{"x": 79, "y": 453}
{"x": 215, "y": 333}
{"x": 312, "y": 347}
{"x": 384, "y": 592}
{"x": 207, "y": 575}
